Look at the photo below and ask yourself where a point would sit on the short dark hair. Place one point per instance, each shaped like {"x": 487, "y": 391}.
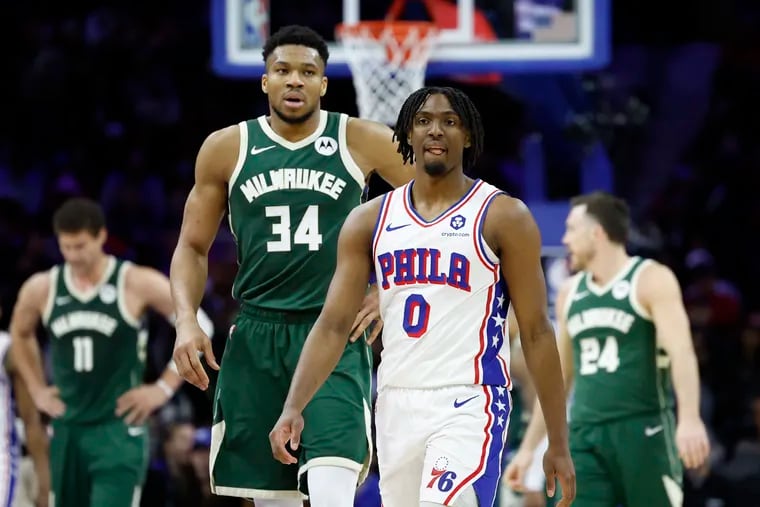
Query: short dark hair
{"x": 611, "y": 212}
{"x": 297, "y": 35}
{"x": 461, "y": 104}
{"x": 79, "y": 214}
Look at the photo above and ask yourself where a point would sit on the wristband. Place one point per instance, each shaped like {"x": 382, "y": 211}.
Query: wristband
{"x": 166, "y": 388}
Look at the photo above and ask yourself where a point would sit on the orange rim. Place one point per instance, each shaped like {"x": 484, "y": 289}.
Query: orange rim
{"x": 399, "y": 28}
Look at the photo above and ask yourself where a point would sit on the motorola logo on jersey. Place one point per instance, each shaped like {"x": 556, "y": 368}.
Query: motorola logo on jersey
{"x": 326, "y": 146}
{"x": 424, "y": 266}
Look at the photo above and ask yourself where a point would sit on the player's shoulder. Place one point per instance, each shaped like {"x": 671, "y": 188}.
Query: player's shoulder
{"x": 222, "y": 144}
{"x": 368, "y": 212}
{"x": 136, "y": 275}
{"x": 364, "y": 132}
{"x": 655, "y": 277}
{"x": 507, "y": 212}
{"x": 226, "y": 137}
{"x": 35, "y": 289}
{"x": 41, "y": 280}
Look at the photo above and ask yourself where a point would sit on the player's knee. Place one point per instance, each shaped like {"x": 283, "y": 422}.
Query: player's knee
{"x": 332, "y": 486}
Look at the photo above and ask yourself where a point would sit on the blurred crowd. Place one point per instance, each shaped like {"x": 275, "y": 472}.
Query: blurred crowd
{"x": 112, "y": 100}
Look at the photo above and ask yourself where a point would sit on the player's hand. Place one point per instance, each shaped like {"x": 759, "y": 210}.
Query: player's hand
{"x": 138, "y": 403}
{"x": 368, "y": 313}
{"x": 191, "y": 343}
{"x": 287, "y": 429}
{"x": 514, "y": 474}
{"x": 692, "y": 442}
{"x": 559, "y": 465}
{"x": 47, "y": 399}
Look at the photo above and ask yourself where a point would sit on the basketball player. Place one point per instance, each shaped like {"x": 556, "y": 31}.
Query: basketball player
{"x": 92, "y": 308}
{"x": 444, "y": 249}
{"x": 13, "y": 389}
{"x": 288, "y": 180}
{"x": 622, "y": 326}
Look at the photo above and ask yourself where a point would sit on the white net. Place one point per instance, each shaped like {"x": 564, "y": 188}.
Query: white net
{"x": 388, "y": 62}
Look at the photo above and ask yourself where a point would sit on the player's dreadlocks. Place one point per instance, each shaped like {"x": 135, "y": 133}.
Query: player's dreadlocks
{"x": 297, "y": 35}
{"x": 461, "y": 104}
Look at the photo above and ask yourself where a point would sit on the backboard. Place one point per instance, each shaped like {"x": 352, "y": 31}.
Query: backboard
{"x": 477, "y": 36}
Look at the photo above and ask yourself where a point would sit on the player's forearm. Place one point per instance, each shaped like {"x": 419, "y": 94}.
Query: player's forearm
{"x": 36, "y": 436}
{"x": 543, "y": 363}
{"x": 188, "y": 275}
{"x": 320, "y": 355}
{"x": 169, "y": 381}
{"x": 27, "y": 361}
{"x": 685, "y": 375}
{"x": 536, "y": 429}
{"x": 37, "y": 445}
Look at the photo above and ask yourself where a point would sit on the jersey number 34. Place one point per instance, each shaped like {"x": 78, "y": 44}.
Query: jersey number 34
{"x": 307, "y": 231}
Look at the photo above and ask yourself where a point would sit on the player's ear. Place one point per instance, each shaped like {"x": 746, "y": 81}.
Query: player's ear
{"x": 323, "y": 88}
{"x": 264, "y": 83}
{"x": 467, "y": 141}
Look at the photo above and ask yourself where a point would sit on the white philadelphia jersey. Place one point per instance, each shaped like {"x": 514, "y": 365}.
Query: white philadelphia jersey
{"x": 442, "y": 296}
{"x": 9, "y": 452}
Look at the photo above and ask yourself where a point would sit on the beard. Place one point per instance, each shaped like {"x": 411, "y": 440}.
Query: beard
{"x": 293, "y": 120}
{"x": 435, "y": 168}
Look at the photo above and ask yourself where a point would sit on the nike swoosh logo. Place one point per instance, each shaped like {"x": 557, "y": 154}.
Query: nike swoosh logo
{"x": 458, "y": 403}
{"x": 390, "y": 228}
{"x": 62, "y": 300}
{"x": 256, "y": 151}
{"x": 652, "y": 431}
{"x": 580, "y": 296}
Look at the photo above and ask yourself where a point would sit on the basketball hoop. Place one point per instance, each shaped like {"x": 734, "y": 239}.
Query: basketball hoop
{"x": 387, "y": 61}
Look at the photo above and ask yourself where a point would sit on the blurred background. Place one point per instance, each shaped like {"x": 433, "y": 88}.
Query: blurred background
{"x": 112, "y": 99}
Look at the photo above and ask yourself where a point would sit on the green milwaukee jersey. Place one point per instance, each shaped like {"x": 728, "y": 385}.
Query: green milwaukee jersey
{"x": 619, "y": 369}
{"x": 97, "y": 349}
{"x": 287, "y": 203}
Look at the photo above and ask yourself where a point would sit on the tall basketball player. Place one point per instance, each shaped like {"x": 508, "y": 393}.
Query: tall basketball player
{"x": 444, "y": 248}
{"x": 289, "y": 180}
{"x": 92, "y": 307}
{"x": 624, "y": 334}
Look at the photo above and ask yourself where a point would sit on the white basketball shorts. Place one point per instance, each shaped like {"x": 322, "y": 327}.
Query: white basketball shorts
{"x": 434, "y": 443}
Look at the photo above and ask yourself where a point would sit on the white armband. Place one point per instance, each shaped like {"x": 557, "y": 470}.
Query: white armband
{"x": 166, "y": 388}
{"x": 204, "y": 322}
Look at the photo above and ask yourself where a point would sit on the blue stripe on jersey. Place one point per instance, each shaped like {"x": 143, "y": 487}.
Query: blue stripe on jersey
{"x": 9, "y": 449}
{"x": 486, "y": 486}
{"x": 481, "y": 223}
{"x": 494, "y": 373}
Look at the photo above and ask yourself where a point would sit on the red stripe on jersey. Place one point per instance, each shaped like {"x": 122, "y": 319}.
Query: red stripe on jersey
{"x": 383, "y": 216}
{"x": 446, "y": 214}
{"x": 484, "y": 451}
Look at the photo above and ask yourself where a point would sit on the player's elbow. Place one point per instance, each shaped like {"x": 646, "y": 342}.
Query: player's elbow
{"x": 538, "y": 333}
{"x": 333, "y": 329}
